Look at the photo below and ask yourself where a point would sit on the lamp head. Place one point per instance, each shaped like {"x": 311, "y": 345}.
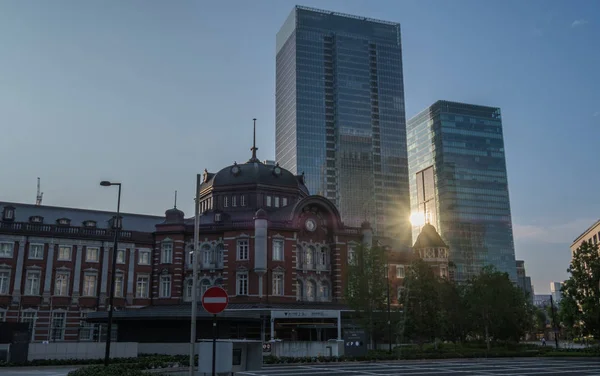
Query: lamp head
{"x": 105, "y": 183}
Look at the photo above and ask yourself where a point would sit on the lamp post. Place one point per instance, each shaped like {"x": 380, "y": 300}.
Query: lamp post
{"x": 116, "y": 227}
{"x": 195, "y": 254}
{"x": 389, "y": 318}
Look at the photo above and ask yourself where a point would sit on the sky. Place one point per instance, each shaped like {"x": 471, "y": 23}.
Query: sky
{"x": 150, "y": 93}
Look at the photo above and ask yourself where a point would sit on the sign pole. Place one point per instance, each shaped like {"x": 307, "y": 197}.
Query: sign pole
{"x": 214, "y": 347}
{"x": 194, "y": 277}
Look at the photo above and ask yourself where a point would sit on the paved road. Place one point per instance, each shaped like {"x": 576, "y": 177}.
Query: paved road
{"x": 485, "y": 367}
{"x": 36, "y": 371}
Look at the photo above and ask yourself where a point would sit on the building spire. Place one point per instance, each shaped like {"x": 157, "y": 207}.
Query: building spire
{"x": 254, "y": 148}
{"x": 175, "y": 205}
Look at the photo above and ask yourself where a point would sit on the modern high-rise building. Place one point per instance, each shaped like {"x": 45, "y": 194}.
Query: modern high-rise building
{"x": 458, "y": 182}
{"x": 523, "y": 280}
{"x": 556, "y": 292}
{"x": 340, "y": 115}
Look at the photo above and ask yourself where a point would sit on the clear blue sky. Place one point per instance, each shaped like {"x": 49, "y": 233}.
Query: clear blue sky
{"x": 152, "y": 92}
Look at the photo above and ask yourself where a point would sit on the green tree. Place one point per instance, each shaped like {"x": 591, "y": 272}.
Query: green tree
{"x": 498, "y": 308}
{"x": 454, "y": 315}
{"x": 583, "y": 289}
{"x": 540, "y": 318}
{"x": 568, "y": 316}
{"x": 422, "y": 308}
{"x": 366, "y": 289}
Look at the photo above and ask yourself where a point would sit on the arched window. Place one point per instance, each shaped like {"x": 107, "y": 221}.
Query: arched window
{"x": 219, "y": 249}
{"x": 310, "y": 255}
{"x": 190, "y": 254}
{"x": 323, "y": 256}
{"x": 311, "y": 289}
{"x": 324, "y": 290}
{"x": 299, "y": 290}
{"x": 189, "y": 286}
{"x": 299, "y": 255}
{"x": 207, "y": 255}
{"x": 204, "y": 285}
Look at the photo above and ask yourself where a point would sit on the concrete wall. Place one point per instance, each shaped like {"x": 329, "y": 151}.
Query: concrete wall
{"x": 81, "y": 350}
{"x": 299, "y": 349}
{"x": 164, "y": 348}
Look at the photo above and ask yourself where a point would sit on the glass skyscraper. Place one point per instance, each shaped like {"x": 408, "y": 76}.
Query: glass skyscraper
{"x": 458, "y": 181}
{"x": 340, "y": 115}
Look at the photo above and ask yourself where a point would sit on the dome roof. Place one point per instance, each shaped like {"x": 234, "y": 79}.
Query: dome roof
{"x": 173, "y": 216}
{"x": 429, "y": 238}
{"x": 254, "y": 172}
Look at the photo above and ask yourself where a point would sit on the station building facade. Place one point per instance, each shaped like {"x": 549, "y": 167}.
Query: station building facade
{"x": 279, "y": 252}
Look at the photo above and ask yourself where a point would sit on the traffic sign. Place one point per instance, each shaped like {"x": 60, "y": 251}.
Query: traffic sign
{"x": 215, "y": 300}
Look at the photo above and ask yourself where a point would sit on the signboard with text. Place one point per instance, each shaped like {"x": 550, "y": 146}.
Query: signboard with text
{"x": 304, "y": 314}
{"x": 355, "y": 342}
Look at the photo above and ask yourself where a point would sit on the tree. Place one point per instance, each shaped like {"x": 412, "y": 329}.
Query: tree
{"x": 366, "y": 290}
{"x": 454, "y": 319}
{"x": 499, "y": 309}
{"x": 583, "y": 289}
{"x": 568, "y": 314}
{"x": 422, "y": 308}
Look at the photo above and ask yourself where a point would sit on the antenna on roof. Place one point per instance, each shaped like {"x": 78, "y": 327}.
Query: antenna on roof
{"x": 175, "y": 206}
{"x": 254, "y": 148}
{"x": 38, "y": 198}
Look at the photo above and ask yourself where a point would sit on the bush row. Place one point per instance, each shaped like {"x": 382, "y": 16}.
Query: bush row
{"x": 145, "y": 361}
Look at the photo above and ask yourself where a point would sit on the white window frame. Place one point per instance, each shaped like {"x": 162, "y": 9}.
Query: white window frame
{"x": 121, "y": 260}
{"x": 311, "y": 285}
{"x": 276, "y": 201}
{"x": 166, "y": 252}
{"x": 443, "y": 271}
{"x": 7, "y": 249}
{"x": 86, "y": 327}
{"x": 322, "y": 287}
{"x": 30, "y": 289}
{"x": 284, "y": 201}
{"x": 61, "y": 283}
{"x": 119, "y": 285}
{"x": 243, "y": 249}
{"x": 142, "y": 255}
{"x": 88, "y": 289}
{"x": 204, "y": 286}
{"x": 233, "y": 201}
{"x": 5, "y": 281}
{"x": 400, "y": 271}
{"x": 208, "y": 257}
{"x": 38, "y": 248}
{"x": 269, "y": 201}
{"x": 277, "y": 251}
{"x": 189, "y": 289}
{"x": 31, "y": 318}
{"x": 241, "y": 283}
{"x": 278, "y": 284}
{"x": 60, "y": 317}
{"x": 243, "y": 200}
{"x": 220, "y": 253}
{"x": 164, "y": 290}
{"x": 60, "y": 255}
{"x": 89, "y": 254}
{"x": 144, "y": 281}
{"x": 225, "y": 201}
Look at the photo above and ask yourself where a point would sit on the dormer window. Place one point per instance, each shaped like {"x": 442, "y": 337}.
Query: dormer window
{"x": 8, "y": 214}
{"x": 234, "y": 201}
{"x": 89, "y": 223}
{"x": 243, "y": 200}
{"x": 225, "y": 201}
{"x": 269, "y": 201}
{"x": 284, "y": 201}
{"x": 114, "y": 223}
{"x": 217, "y": 217}
{"x": 64, "y": 221}
{"x": 36, "y": 219}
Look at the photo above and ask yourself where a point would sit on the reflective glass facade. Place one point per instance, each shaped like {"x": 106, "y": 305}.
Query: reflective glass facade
{"x": 340, "y": 115}
{"x": 470, "y": 206}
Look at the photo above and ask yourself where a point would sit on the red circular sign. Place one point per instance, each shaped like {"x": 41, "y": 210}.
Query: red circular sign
{"x": 215, "y": 300}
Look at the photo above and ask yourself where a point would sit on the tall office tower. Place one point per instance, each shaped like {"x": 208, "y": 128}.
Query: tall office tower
{"x": 340, "y": 115}
{"x": 458, "y": 182}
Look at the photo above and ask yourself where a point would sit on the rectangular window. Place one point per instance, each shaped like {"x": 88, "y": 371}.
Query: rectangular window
{"x": 242, "y": 249}
{"x": 234, "y": 201}
{"x": 167, "y": 253}
{"x": 277, "y": 284}
{"x": 225, "y": 201}
{"x": 2, "y": 316}
{"x": 4, "y": 281}
{"x": 268, "y": 201}
{"x": 165, "y": 286}
{"x": 142, "y": 287}
{"x": 61, "y": 284}
{"x": 284, "y": 201}
{"x": 6, "y": 249}
{"x": 32, "y": 283}
{"x": 30, "y": 317}
{"x": 119, "y": 285}
{"x": 277, "y": 249}
{"x": 64, "y": 253}
{"x": 243, "y": 200}
{"x": 399, "y": 271}
{"x": 242, "y": 284}
{"x": 120, "y": 256}
{"x": 58, "y": 326}
{"x": 351, "y": 254}
{"x": 276, "y": 201}
{"x": 36, "y": 251}
{"x": 86, "y": 330}
{"x": 443, "y": 271}
{"x": 144, "y": 258}
{"x": 92, "y": 254}
{"x": 89, "y": 284}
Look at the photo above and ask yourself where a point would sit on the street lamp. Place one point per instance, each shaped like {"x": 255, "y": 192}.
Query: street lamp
{"x": 116, "y": 227}
{"x": 389, "y": 319}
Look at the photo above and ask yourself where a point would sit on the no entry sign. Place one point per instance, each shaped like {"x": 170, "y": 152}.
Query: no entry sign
{"x": 215, "y": 300}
